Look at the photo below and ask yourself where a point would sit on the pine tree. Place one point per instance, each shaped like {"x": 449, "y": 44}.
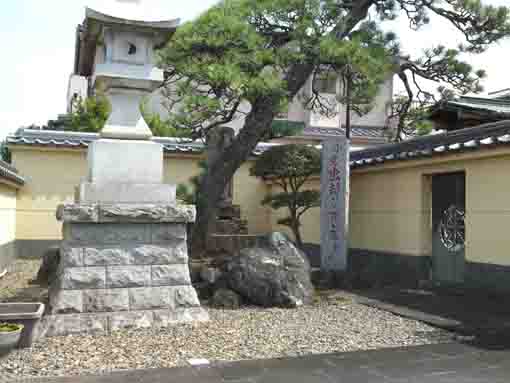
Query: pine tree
{"x": 290, "y": 167}
{"x": 251, "y": 57}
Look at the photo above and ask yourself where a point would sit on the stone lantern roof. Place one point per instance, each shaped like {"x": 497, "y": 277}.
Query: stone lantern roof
{"x": 89, "y": 35}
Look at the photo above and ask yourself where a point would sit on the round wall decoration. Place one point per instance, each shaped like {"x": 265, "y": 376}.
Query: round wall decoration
{"x": 452, "y": 229}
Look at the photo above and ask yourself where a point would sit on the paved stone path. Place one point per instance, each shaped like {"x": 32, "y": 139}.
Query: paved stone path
{"x": 444, "y": 363}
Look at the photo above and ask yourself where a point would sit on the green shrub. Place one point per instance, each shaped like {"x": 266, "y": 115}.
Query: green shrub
{"x": 91, "y": 114}
{"x": 290, "y": 167}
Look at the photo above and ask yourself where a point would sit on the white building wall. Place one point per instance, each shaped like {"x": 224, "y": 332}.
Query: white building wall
{"x": 112, "y": 60}
{"x": 7, "y": 224}
{"x": 382, "y": 107}
{"x": 376, "y": 117}
{"x": 297, "y": 112}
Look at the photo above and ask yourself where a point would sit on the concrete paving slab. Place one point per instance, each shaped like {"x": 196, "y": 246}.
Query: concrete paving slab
{"x": 466, "y": 312}
{"x": 443, "y": 363}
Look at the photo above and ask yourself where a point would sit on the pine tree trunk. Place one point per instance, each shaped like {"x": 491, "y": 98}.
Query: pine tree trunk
{"x": 257, "y": 125}
{"x": 297, "y": 235}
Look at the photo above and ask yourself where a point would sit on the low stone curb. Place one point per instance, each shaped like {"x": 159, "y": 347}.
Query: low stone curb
{"x": 106, "y": 323}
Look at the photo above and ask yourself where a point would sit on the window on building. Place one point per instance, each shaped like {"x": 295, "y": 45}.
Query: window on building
{"x": 131, "y": 49}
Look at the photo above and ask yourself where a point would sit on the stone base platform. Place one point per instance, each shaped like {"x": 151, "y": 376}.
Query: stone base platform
{"x": 106, "y": 323}
{"x": 122, "y": 266}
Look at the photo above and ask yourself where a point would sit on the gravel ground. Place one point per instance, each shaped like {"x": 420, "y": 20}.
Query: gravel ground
{"x": 332, "y": 325}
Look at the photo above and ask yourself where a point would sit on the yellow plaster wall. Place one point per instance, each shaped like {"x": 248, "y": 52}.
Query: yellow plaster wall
{"x": 386, "y": 212}
{"x": 310, "y": 221}
{"x": 389, "y": 217}
{"x": 248, "y": 190}
{"x": 488, "y": 211}
{"x": 390, "y": 206}
{"x": 52, "y": 175}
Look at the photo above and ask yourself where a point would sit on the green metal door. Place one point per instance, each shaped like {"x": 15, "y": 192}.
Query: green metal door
{"x": 448, "y": 228}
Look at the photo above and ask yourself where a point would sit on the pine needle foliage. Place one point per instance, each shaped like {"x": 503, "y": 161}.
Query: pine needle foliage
{"x": 290, "y": 167}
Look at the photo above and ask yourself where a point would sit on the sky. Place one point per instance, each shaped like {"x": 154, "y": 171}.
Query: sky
{"x": 38, "y": 38}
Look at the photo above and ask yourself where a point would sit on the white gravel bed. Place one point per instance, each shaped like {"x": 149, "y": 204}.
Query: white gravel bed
{"x": 248, "y": 333}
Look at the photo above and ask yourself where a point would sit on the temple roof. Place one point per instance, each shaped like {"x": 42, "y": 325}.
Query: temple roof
{"x": 77, "y": 140}
{"x": 482, "y": 104}
{"x": 487, "y": 136}
{"x": 357, "y": 131}
{"x": 467, "y": 112}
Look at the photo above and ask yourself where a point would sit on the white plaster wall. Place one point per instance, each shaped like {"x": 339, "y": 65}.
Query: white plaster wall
{"x": 324, "y": 121}
{"x": 7, "y": 224}
{"x": 296, "y": 111}
{"x": 100, "y": 56}
{"x": 376, "y": 117}
{"x": 156, "y": 100}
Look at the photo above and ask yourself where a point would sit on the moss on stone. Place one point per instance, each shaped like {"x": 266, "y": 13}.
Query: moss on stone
{"x": 10, "y": 327}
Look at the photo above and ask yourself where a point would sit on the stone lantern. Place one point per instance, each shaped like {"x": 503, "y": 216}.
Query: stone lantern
{"x": 123, "y": 258}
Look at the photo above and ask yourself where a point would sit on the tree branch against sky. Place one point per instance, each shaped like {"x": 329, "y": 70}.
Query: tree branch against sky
{"x": 262, "y": 52}
{"x": 444, "y": 67}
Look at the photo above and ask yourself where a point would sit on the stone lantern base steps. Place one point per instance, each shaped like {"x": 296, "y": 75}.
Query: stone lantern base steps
{"x": 122, "y": 266}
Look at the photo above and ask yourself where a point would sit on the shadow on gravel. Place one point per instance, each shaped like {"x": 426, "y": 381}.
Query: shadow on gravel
{"x": 481, "y": 316}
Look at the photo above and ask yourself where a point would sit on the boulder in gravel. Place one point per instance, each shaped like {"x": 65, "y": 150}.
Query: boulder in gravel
{"x": 48, "y": 270}
{"x": 226, "y": 298}
{"x": 210, "y": 275}
{"x": 274, "y": 274}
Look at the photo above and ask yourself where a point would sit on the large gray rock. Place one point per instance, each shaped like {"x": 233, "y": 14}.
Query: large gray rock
{"x": 276, "y": 273}
{"x": 210, "y": 275}
{"x": 225, "y": 298}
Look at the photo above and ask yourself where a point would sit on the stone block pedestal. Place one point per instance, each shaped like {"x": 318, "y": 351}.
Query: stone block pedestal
{"x": 122, "y": 266}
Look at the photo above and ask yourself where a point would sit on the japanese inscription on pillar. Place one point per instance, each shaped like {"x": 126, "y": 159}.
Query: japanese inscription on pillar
{"x": 334, "y": 204}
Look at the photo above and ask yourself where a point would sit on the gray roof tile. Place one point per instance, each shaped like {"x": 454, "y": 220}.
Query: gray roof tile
{"x": 484, "y": 136}
{"x": 77, "y": 140}
{"x": 9, "y": 173}
{"x": 361, "y": 131}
